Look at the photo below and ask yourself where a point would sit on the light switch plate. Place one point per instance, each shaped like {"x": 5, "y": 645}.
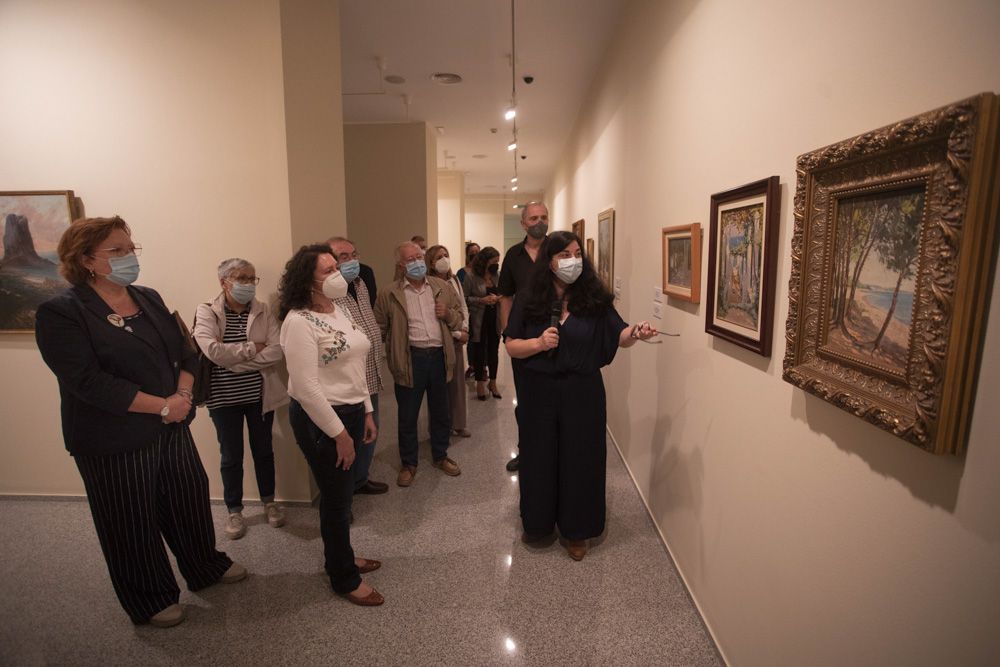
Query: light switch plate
{"x": 658, "y": 310}
{"x": 657, "y": 295}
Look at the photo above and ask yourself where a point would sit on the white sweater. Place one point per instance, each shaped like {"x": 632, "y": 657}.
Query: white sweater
{"x": 325, "y": 354}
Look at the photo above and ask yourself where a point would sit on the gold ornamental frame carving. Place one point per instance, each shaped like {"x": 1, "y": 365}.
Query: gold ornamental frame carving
{"x": 946, "y": 159}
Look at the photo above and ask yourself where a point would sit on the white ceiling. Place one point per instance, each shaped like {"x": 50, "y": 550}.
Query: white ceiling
{"x": 558, "y": 42}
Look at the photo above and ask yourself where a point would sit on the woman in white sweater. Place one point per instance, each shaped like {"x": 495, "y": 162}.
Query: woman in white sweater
{"x": 330, "y": 410}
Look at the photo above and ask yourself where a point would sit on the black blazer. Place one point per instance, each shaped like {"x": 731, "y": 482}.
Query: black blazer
{"x": 368, "y": 276}
{"x": 101, "y": 367}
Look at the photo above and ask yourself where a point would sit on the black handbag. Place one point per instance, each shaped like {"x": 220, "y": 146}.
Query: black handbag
{"x": 202, "y": 389}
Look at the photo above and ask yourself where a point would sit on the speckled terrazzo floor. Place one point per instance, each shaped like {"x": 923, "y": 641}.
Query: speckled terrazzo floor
{"x": 461, "y": 588}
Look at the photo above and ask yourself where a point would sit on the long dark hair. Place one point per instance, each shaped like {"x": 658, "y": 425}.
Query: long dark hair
{"x": 586, "y": 297}
{"x": 295, "y": 286}
{"x": 482, "y": 259}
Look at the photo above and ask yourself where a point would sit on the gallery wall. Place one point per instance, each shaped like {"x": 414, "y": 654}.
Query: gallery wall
{"x": 484, "y": 216}
{"x": 806, "y": 536}
{"x": 171, "y": 115}
{"x": 451, "y": 214}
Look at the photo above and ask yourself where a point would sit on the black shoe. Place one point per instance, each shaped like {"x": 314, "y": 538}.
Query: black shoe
{"x": 514, "y": 464}
{"x": 372, "y": 487}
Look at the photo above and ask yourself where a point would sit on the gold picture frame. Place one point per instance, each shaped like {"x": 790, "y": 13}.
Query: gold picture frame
{"x": 892, "y": 265}
{"x": 681, "y": 246}
{"x": 606, "y": 247}
{"x": 579, "y": 228}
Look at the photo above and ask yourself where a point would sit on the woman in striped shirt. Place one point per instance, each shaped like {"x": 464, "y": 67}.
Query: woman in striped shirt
{"x": 239, "y": 335}
{"x": 331, "y": 410}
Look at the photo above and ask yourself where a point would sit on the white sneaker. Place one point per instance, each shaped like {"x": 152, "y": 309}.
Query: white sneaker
{"x": 235, "y": 528}
{"x": 168, "y": 617}
{"x": 236, "y": 572}
{"x": 275, "y": 515}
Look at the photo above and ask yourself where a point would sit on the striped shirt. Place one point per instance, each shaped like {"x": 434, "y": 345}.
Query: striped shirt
{"x": 229, "y": 388}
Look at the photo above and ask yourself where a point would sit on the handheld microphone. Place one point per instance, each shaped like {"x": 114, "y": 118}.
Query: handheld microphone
{"x": 554, "y": 316}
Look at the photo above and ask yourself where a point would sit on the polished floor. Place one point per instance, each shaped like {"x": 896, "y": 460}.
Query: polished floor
{"x": 460, "y": 587}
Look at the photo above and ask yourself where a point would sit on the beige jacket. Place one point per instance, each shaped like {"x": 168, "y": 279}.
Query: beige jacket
{"x": 390, "y": 313}
{"x": 262, "y": 327}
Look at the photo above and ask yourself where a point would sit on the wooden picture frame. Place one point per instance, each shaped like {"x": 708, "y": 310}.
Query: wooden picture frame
{"x": 33, "y": 223}
{"x": 578, "y": 228}
{"x": 606, "y": 247}
{"x": 742, "y": 262}
{"x": 590, "y": 250}
{"x": 682, "y": 262}
{"x": 892, "y": 265}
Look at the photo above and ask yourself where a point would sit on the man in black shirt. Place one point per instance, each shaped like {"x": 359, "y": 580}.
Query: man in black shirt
{"x": 515, "y": 275}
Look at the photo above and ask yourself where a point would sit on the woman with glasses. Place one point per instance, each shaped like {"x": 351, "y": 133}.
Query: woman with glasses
{"x": 125, "y": 375}
{"x": 566, "y": 329}
{"x": 238, "y": 333}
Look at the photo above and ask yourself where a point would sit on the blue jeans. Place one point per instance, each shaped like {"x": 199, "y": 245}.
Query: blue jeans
{"x": 366, "y": 452}
{"x": 228, "y": 422}
{"x": 336, "y": 488}
{"x": 429, "y": 375}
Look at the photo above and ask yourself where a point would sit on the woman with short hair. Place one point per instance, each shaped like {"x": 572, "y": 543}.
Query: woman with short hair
{"x": 239, "y": 335}
{"x": 125, "y": 375}
{"x": 439, "y": 265}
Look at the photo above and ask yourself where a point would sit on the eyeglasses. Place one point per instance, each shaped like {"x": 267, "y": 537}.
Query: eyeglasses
{"x": 244, "y": 280}
{"x": 120, "y": 252}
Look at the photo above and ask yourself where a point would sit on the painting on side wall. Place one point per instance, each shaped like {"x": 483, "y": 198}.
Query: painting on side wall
{"x": 606, "y": 246}
{"x": 682, "y": 262}
{"x": 33, "y": 223}
{"x": 579, "y": 228}
{"x": 742, "y": 263}
{"x": 590, "y": 249}
{"x": 895, "y": 237}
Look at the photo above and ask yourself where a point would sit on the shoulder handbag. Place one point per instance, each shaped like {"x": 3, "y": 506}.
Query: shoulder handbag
{"x": 202, "y": 389}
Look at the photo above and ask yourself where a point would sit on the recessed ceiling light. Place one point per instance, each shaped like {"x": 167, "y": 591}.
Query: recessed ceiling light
{"x": 480, "y": 156}
{"x": 446, "y": 78}
{"x": 394, "y": 78}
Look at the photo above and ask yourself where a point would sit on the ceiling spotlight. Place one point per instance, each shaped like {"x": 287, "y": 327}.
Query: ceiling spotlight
{"x": 516, "y": 206}
{"x": 509, "y": 113}
{"x": 514, "y": 180}
{"x": 512, "y": 145}
{"x": 513, "y": 188}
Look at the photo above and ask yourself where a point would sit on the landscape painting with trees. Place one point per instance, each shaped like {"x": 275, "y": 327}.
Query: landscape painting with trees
{"x": 874, "y": 266}
{"x": 740, "y": 266}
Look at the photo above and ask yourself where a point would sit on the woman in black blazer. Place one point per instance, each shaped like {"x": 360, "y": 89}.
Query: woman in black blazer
{"x": 125, "y": 377}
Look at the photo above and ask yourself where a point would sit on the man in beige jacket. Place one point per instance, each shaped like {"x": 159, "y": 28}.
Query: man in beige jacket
{"x": 416, "y": 316}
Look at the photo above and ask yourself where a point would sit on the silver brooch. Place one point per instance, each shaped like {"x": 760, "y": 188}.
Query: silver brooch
{"x": 116, "y": 320}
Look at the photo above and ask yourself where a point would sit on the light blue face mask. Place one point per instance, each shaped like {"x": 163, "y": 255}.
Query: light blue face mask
{"x": 243, "y": 293}
{"x": 416, "y": 269}
{"x": 350, "y": 270}
{"x": 124, "y": 270}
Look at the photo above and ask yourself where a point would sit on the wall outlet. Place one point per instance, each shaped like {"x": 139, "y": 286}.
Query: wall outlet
{"x": 657, "y": 295}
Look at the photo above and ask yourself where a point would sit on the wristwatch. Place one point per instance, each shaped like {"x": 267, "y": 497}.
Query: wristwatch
{"x": 165, "y": 410}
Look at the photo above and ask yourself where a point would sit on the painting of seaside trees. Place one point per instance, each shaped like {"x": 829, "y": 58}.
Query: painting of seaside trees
{"x": 877, "y": 239}
{"x": 33, "y": 223}
{"x": 740, "y": 267}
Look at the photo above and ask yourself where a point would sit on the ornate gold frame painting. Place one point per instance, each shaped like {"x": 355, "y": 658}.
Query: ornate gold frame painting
{"x": 682, "y": 262}
{"x": 606, "y": 246}
{"x": 33, "y": 223}
{"x": 892, "y": 255}
{"x": 578, "y": 229}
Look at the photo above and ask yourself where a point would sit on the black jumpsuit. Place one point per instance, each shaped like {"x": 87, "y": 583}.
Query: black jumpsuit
{"x": 562, "y": 424}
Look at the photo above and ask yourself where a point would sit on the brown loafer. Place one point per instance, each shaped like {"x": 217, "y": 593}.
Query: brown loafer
{"x": 577, "y": 549}
{"x": 373, "y": 599}
{"x": 369, "y": 566}
{"x": 448, "y": 466}
{"x": 371, "y": 487}
{"x": 406, "y": 476}
{"x": 462, "y": 433}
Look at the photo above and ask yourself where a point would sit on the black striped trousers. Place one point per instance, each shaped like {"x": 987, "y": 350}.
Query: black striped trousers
{"x": 139, "y": 499}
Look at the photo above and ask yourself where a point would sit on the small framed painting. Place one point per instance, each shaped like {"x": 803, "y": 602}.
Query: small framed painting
{"x": 742, "y": 261}
{"x": 682, "y": 262}
{"x": 578, "y": 229}
{"x": 606, "y": 247}
{"x": 590, "y": 249}
{"x": 33, "y": 223}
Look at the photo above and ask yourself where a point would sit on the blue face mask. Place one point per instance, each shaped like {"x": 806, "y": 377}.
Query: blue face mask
{"x": 350, "y": 270}
{"x": 416, "y": 269}
{"x": 124, "y": 270}
{"x": 243, "y": 293}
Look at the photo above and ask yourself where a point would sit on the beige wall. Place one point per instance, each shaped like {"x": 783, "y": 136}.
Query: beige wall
{"x": 171, "y": 114}
{"x": 484, "y": 217}
{"x": 391, "y": 184}
{"x": 806, "y": 536}
{"x": 451, "y": 215}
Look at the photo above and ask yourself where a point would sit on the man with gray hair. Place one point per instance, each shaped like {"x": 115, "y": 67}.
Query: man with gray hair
{"x": 361, "y": 293}
{"x": 416, "y": 316}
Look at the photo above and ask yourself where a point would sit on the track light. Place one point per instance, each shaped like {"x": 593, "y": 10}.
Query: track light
{"x": 514, "y": 180}
{"x": 512, "y": 145}
{"x": 509, "y": 113}
{"x": 513, "y": 188}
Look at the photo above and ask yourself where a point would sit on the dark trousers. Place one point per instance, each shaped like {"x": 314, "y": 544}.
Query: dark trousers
{"x": 563, "y": 454}
{"x": 228, "y": 422}
{"x": 336, "y": 489}
{"x": 366, "y": 452}
{"x": 141, "y": 498}
{"x": 485, "y": 354}
{"x": 430, "y": 376}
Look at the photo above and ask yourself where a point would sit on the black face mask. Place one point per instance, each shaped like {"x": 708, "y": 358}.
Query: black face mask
{"x": 493, "y": 268}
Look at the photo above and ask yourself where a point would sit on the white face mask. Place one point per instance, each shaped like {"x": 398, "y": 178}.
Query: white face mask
{"x": 569, "y": 269}
{"x": 335, "y": 287}
{"x": 442, "y": 265}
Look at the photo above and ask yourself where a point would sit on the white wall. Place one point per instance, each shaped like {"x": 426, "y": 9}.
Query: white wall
{"x": 806, "y": 536}
{"x": 172, "y": 115}
{"x": 484, "y": 217}
{"x": 451, "y": 214}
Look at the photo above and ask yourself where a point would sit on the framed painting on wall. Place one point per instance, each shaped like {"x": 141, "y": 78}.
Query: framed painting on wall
{"x": 590, "y": 250}
{"x": 682, "y": 262}
{"x": 742, "y": 261}
{"x": 578, "y": 229}
{"x": 606, "y": 246}
{"x": 33, "y": 223}
{"x": 892, "y": 254}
